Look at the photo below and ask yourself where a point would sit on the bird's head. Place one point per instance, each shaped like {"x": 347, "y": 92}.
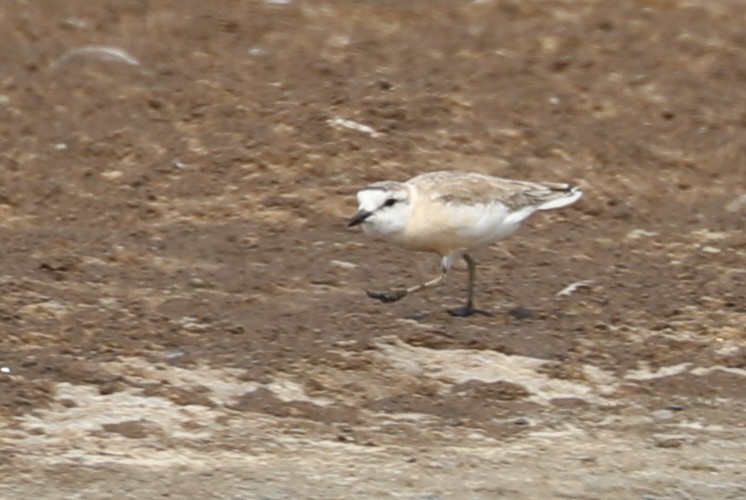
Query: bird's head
{"x": 383, "y": 208}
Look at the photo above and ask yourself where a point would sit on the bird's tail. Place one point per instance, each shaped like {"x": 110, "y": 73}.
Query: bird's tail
{"x": 557, "y": 195}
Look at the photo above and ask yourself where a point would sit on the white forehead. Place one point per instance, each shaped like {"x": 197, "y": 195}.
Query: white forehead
{"x": 372, "y": 198}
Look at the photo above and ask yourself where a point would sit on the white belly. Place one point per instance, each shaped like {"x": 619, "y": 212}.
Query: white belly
{"x": 451, "y": 227}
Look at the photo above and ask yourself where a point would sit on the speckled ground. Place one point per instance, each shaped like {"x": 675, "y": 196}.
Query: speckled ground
{"x": 181, "y": 305}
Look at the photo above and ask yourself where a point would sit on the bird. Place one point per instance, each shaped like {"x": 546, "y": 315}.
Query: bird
{"x": 452, "y": 213}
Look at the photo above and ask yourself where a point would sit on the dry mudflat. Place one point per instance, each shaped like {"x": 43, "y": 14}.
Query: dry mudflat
{"x": 181, "y": 305}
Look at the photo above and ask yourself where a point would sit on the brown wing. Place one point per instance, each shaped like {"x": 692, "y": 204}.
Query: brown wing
{"x": 470, "y": 188}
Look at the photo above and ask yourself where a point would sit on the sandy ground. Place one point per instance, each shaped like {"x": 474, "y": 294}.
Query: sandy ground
{"x": 182, "y": 308}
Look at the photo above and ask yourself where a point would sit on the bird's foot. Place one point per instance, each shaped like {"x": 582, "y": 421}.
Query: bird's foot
{"x": 388, "y": 296}
{"x": 466, "y": 311}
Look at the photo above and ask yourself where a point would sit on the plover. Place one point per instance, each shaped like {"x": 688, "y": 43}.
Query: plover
{"x": 452, "y": 213}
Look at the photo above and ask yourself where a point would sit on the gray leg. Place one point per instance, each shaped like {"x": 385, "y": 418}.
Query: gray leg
{"x": 472, "y": 265}
{"x": 398, "y": 294}
{"x": 469, "y": 309}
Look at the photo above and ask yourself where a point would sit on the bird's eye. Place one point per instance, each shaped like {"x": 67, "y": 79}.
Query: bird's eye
{"x": 389, "y": 203}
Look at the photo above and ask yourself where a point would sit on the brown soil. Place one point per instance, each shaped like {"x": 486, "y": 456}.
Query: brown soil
{"x": 181, "y": 304}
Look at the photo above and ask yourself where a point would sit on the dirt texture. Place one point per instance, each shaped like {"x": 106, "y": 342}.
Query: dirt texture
{"x": 182, "y": 307}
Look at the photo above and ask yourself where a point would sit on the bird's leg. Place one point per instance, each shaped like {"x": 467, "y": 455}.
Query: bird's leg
{"x": 469, "y": 309}
{"x": 472, "y": 278}
{"x": 399, "y": 293}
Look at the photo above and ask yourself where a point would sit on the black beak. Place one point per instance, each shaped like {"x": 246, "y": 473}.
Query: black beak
{"x": 359, "y": 218}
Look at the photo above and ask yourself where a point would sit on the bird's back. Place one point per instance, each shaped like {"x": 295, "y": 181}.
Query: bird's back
{"x": 470, "y": 188}
{"x": 464, "y": 210}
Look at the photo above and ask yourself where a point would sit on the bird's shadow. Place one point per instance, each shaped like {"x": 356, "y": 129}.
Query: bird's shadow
{"x": 519, "y": 312}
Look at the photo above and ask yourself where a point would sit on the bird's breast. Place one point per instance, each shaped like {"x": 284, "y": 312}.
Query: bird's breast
{"x": 445, "y": 228}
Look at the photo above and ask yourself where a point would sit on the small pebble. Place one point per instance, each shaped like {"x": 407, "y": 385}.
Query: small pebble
{"x": 663, "y": 414}
{"x": 197, "y": 283}
{"x": 343, "y": 264}
{"x": 669, "y": 442}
